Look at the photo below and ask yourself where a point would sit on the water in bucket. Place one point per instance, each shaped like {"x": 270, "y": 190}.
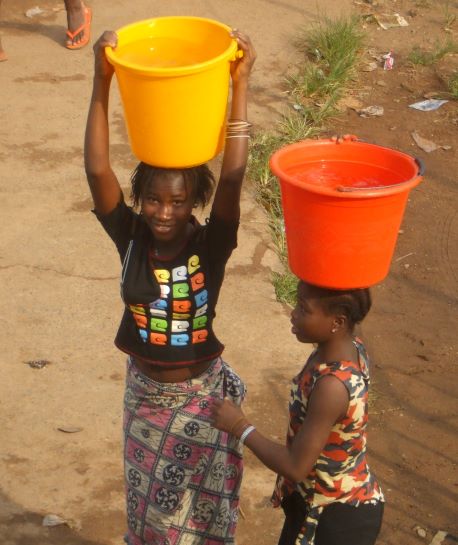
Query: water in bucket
{"x": 162, "y": 53}
{"x": 330, "y": 174}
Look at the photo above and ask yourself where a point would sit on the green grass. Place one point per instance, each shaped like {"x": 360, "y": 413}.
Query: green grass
{"x": 331, "y": 51}
{"x": 285, "y": 286}
{"x": 422, "y": 57}
{"x": 449, "y": 17}
{"x": 453, "y": 86}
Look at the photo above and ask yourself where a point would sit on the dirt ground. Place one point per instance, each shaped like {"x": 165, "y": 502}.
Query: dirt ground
{"x": 59, "y": 281}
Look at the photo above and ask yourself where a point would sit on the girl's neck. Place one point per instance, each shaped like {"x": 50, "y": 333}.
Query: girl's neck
{"x": 169, "y": 249}
{"x": 337, "y": 348}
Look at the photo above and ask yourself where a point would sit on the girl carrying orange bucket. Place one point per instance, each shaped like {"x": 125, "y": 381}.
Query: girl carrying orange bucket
{"x": 328, "y": 493}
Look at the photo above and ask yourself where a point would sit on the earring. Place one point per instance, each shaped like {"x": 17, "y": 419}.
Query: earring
{"x": 333, "y": 330}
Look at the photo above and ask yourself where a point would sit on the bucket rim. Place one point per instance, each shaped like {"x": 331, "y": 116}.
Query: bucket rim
{"x": 228, "y": 54}
{"x": 384, "y": 191}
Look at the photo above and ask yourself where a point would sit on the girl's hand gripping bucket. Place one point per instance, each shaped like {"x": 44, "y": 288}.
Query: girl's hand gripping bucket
{"x": 343, "y": 203}
{"x": 173, "y": 75}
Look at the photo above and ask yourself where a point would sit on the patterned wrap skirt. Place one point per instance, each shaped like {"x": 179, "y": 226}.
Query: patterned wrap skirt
{"x": 182, "y": 475}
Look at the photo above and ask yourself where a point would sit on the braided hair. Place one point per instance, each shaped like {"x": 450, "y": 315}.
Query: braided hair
{"x": 353, "y": 303}
{"x": 199, "y": 180}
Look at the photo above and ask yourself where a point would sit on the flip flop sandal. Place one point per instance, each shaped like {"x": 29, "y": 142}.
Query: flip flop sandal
{"x": 85, "y": 28}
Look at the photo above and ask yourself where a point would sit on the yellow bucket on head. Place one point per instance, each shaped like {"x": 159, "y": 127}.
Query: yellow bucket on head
{"x": 173, "y": 75}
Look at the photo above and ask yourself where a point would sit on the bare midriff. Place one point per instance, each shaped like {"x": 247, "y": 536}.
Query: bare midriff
{"x": 174, "y": 374}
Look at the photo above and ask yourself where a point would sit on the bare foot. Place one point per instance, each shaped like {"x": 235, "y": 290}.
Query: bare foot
{"x": 3, "y": 55}
{"x": 76, "y": 18}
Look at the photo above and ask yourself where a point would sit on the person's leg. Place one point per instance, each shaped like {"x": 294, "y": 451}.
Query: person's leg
{"x": 295, "y": 511}
{"x": 3, "y": 55}
{"x": 77, "y": 17}
{"x": 343, "y": 524}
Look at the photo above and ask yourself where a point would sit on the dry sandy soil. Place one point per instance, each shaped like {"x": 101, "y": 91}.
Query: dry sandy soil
{"x": 59, "y": 281}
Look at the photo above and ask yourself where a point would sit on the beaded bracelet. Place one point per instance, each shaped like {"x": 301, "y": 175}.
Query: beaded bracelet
{"x": 246, "y": 433}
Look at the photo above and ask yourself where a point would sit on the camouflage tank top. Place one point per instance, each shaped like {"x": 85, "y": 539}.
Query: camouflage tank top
{"x": 341, "y": 473}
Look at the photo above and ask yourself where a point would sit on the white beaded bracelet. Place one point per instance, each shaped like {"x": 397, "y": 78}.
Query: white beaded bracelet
{"x": 246, "y": 433}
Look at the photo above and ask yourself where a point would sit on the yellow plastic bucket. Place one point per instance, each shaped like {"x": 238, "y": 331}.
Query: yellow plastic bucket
{"x": 173, "y": 75}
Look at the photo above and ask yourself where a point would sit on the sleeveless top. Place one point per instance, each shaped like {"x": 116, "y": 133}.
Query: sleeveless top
{"x": 341, "y": 473}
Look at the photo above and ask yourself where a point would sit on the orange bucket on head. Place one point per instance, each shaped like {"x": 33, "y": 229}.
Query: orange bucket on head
{"x": 343, "y": 203}
{"x": 173, "y": 75}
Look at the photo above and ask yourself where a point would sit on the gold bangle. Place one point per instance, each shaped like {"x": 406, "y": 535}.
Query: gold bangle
{"x": 239, "y": 123}
{"x": 237, "y": 136}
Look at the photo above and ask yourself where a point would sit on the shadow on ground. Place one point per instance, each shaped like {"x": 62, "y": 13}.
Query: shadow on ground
{"x": 19, "y": 527}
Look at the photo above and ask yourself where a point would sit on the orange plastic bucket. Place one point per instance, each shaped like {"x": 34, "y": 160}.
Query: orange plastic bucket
{"x": 173, "y": 75}
{"x": 343, "y": 203}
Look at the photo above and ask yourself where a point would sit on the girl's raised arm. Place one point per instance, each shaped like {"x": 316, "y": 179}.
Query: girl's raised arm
{"x": 226, "y": 204}
{"x": 105, "y": 188}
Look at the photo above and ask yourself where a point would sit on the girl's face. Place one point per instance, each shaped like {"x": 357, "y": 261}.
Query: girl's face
{"x": 310, "y": 323}
{"x": 166, "y": 206}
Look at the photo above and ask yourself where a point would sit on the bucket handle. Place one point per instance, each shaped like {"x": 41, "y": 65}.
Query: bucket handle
{"x": 421, "y": 166}
{"x": 421, "y": 171}
{"x": 341, "y": 138}
{"x": 237, "y": 55}
{"x": 344, "y": 189}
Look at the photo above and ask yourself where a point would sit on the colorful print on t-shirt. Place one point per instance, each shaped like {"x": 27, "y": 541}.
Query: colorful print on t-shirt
{"x": 179, "y": 316}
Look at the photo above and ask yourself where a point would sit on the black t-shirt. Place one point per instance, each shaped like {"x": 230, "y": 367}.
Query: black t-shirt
{"x": 170, "y": 304}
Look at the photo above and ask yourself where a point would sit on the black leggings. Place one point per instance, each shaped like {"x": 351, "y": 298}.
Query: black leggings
{"x": 339, "y": 524}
